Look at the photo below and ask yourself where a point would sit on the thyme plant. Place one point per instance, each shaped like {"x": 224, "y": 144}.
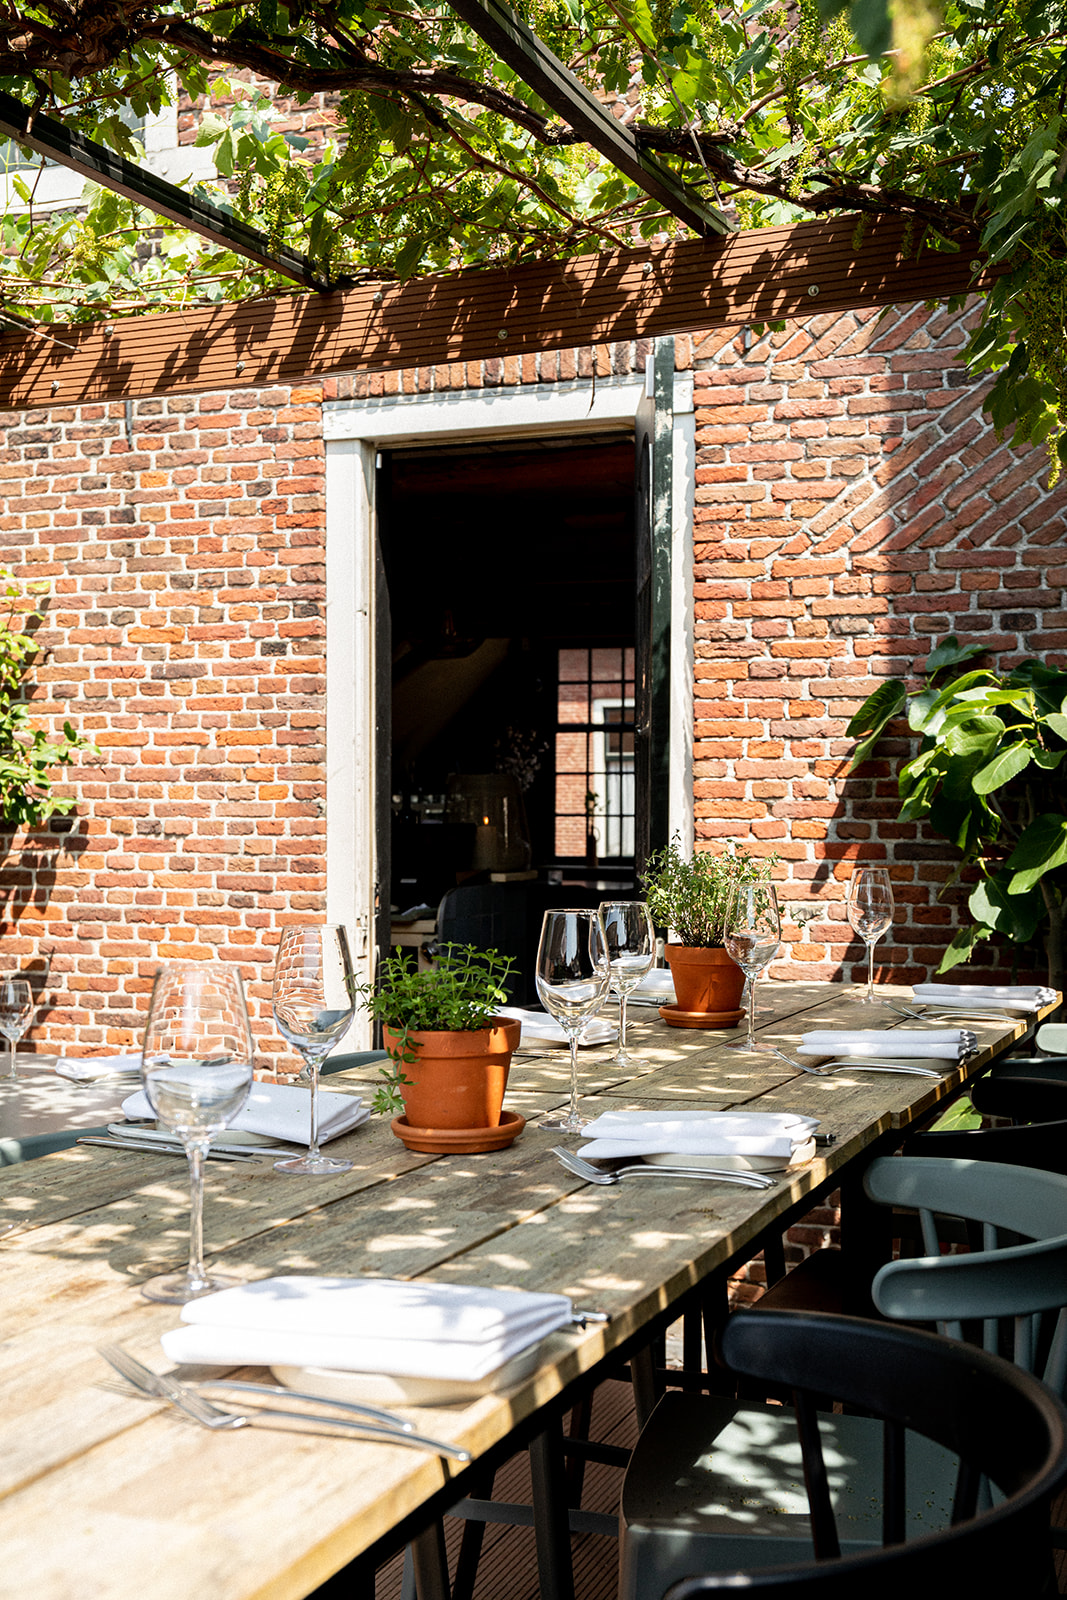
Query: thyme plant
{"x": 692, "y": 897}
{"x": 460, "y": 993}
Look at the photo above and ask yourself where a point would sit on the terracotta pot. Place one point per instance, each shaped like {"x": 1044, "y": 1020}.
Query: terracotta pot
{"x": 458, "y": 1080}
{"x": 705, "y": 980}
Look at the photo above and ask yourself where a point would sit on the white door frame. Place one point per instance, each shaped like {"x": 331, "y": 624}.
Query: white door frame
{"x": 354, "y": 431}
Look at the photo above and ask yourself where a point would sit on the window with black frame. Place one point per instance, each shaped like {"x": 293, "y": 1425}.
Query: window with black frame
{"x": 594, "y": 748}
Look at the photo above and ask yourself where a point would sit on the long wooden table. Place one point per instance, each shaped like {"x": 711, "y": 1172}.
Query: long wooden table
{"x": 109, "y": 1495}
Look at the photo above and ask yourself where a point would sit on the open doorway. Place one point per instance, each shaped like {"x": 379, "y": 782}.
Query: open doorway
{"x": 511, "y": 578}
{"x": 361, "y": 433}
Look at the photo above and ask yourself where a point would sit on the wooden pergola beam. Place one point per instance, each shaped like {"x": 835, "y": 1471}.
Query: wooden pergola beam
{"x": 510, "y": 39}
{"x": 56, "y": 142}
{"x": 474, "y": 315}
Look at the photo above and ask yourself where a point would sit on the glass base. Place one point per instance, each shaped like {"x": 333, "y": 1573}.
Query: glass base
{"x": 625, "y": 1059}
{"x": 556, "y": 1122}
{"x": 178, "y": 1288}
{"x": 312, "y": 1166}
{"x": 753, "y": 1049}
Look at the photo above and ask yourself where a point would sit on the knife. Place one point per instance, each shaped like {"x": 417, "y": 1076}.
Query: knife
{"x": 140, "y": 1135}
{"x": 144, "y": 1148}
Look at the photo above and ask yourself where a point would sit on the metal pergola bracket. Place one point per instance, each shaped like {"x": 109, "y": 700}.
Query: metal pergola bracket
{"x": 557, "y": 86}
{"x": 54, "y": 140}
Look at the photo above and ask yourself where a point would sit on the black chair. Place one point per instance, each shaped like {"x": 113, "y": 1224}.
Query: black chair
{"x": 919, "y": 1389}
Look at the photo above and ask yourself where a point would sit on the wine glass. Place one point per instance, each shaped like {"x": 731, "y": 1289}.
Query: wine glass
{"x": 196, "y": 1071}
{"x": 870, "y": 913}
{"x": 572, "y": 982}
{"x": 631, "y": 945}
{"x": 16, "y": 1011}
{"x": 753, "y": 934}
{"x": 313, "y": 999}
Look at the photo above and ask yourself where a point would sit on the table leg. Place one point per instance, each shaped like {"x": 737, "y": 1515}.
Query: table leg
{"x": 551, "y": 1520}
{"x": 427, "y": 1562}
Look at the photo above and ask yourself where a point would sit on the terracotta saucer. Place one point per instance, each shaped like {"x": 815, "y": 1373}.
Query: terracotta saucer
{"x": 460, "y": 1141}
{"x": 700, "y": 1019}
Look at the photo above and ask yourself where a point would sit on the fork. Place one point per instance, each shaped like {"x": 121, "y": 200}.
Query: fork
{"x": 585, "y": 1169}
{"x": 933, "y": 1015}
{"x": 218, "y": 1418}
{"x": 867, "y": 1066}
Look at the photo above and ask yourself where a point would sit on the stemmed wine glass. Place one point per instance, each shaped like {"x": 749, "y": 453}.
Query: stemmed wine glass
{"x": 753, "y": 934}
{"x": 572, "y": 982}
{"x": 631, "y": 945}
{"x": 196, "y": 1071}
{"x": 16, "y": 1011}
{"x": 870, "y": 913}
{"x": 313, "y": 999}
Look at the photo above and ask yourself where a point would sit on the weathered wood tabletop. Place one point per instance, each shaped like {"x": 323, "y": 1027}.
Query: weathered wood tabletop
{"x": 110, "y": 1495}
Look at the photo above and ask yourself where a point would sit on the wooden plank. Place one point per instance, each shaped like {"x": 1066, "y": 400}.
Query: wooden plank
{"x": 476, "y": 315}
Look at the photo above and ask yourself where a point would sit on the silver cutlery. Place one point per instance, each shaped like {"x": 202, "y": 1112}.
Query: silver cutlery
{"x": 873, "y": 1065}
{"x": 248, "y": 1153}
{"x": 217, "y": 1418}
{"x": 949, "y": 1013}
{"x": 585, "y": 1169}
{"x": 273, "y": 1391}
{"x": 153, "y": 1135}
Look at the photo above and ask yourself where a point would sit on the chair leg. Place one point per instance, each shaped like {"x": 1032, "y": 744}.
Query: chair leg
{"x": 551, "y": 1522}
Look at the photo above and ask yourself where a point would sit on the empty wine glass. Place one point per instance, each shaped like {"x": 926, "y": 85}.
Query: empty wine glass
{"x": 870, "y": 913}
{"x": 313, "y": 999}
{"x": 753, "y": 934}
{"x": 631, "y": 945}
{"x": 196, "y": 1071}
{"x": 572, "y": 982}
{"x": 16, "y": 1011}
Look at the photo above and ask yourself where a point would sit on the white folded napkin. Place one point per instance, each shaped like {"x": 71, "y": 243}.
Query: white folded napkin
{"x": 90, "y": 1069}
{"x": 1004, "y": 996}
{"x": 688, "y": 1131}
{"x": 656, "y": 987}
{"x": 281, "y": 1111}
{"x": 900, "y": 1044}
{"x": 539, "y": 1025}
{"x": 430, "y": 1330}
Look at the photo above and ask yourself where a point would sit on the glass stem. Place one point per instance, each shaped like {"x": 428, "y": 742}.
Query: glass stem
{"x": 313, "y": 1073}
{"x": 12, "y": 1074}
{"x": 197, "y": 1271}
{"x": 751, "y": 1040}
{"x": 572, "y": 1034}
{"x": 870, "y": 972}
{"x": 622, "y": 1024}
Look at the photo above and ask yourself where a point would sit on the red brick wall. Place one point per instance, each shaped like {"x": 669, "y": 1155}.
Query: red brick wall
{"x": 853, "y": 507}
{"x": 185, "y": 636}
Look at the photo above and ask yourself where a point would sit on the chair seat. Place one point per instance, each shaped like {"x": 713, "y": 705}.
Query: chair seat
{"x": 714, "y": 1486}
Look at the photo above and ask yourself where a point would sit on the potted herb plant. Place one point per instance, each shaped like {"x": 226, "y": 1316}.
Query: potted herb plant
{"x": 449, "y": 1050}
{"x": 690, "y": 897}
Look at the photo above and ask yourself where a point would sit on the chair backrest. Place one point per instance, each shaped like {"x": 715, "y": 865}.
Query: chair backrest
{"x": 1025, "y": 1097}
{"x": 1052, "y": 1036}
{"x": 1005, "y": 1279}
{"x": 13, "y": 1151}
{"x": 998, "y": 1420}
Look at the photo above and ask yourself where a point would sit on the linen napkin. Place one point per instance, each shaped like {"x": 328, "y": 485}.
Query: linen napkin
{"x": 1004, "y": 996}
{"x": 91, "y": 1069}
{"x": 281, "y": 1111}
{"x": 899, "y": 1044}
{"x": 655, "y": 989}
{"x": 428, "y": 1330}
{"x": 539, "y": 1025}
{"x": 688, "y": 1131}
